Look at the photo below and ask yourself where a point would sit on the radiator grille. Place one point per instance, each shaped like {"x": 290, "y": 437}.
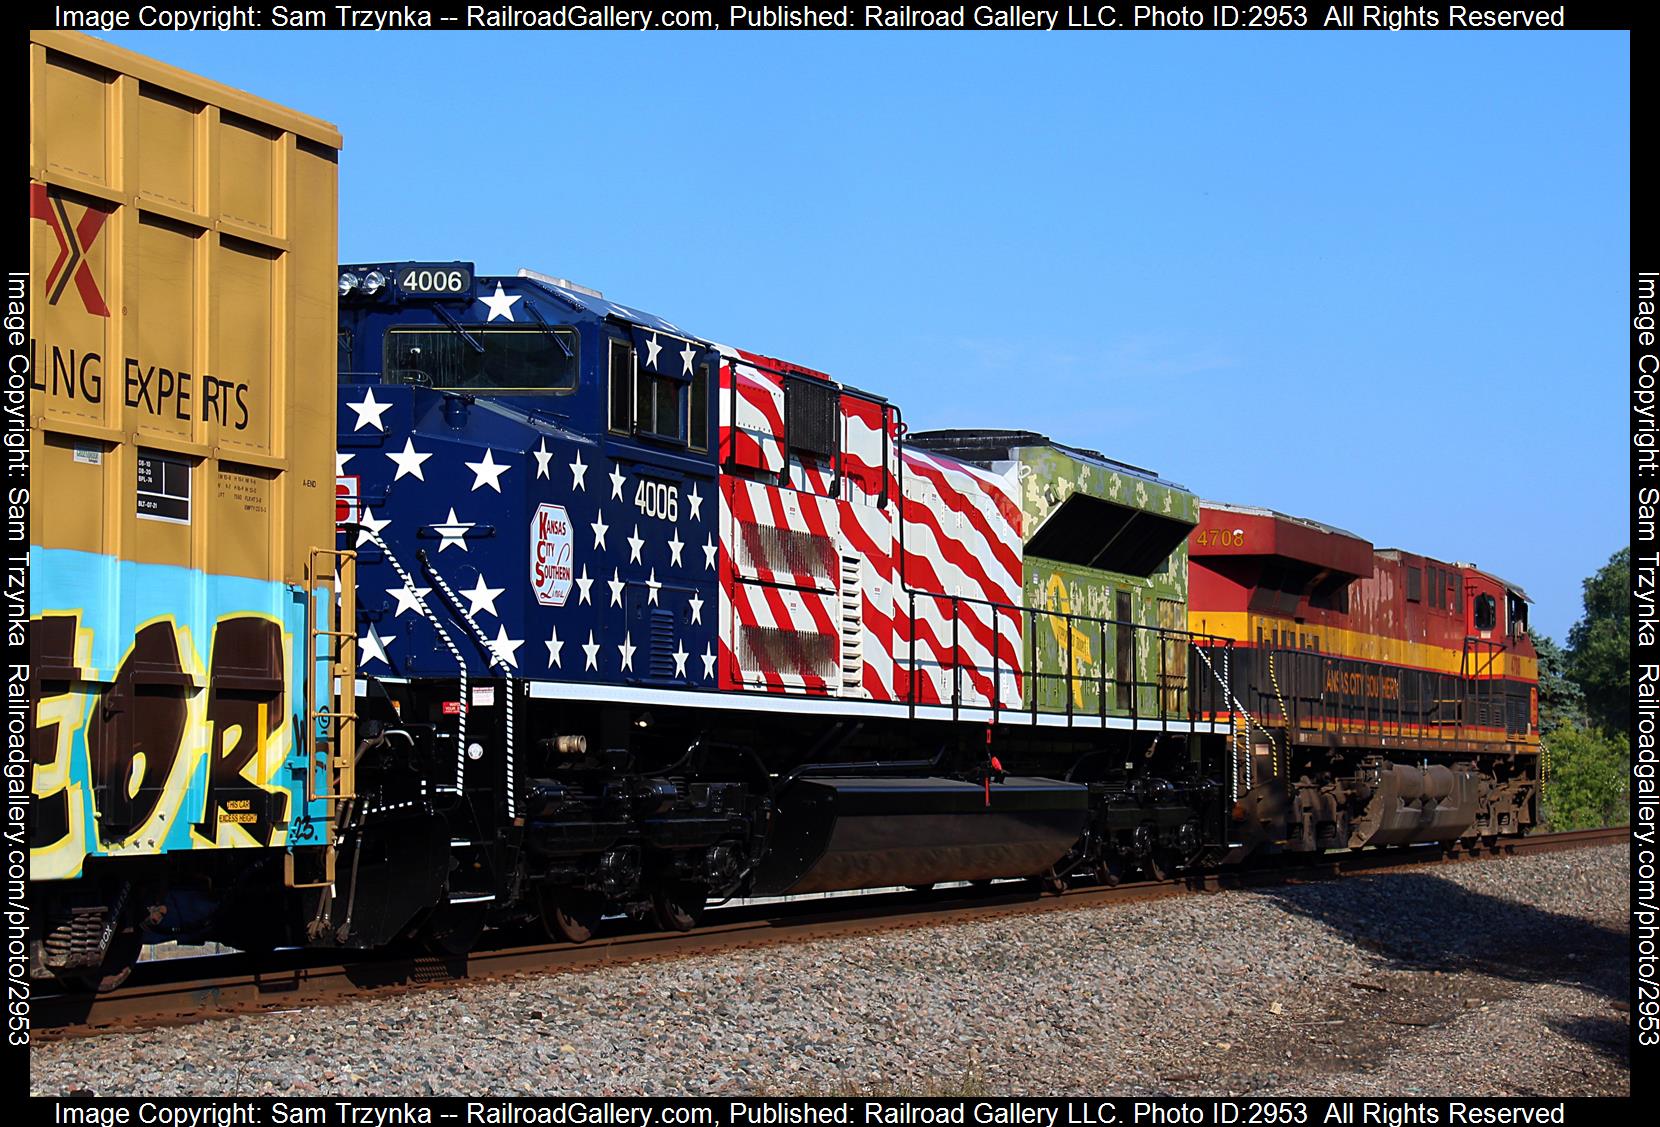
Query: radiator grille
{"x": 769, "y": 649}
{"x": 811, "y": 412}
{"x": 761, "y": 547}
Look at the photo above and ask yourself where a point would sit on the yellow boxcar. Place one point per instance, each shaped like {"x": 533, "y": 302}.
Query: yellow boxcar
{"x": 182, "y": 300}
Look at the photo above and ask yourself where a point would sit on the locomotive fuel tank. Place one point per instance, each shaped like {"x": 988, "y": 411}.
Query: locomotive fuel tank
{"x": 841, "y": 833}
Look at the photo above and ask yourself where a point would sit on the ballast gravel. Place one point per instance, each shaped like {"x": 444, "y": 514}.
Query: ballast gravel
{"x": 1504, "y": 977}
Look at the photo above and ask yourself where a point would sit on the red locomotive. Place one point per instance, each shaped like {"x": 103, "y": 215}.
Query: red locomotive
{"x": 1385, "y": 697}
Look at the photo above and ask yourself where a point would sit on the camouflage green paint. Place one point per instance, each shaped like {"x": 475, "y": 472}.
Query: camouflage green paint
{"x": 1049, "y": 476}
{"x": 1088, "y": 641}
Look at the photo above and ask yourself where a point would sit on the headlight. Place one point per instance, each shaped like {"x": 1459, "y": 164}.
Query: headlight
{"x": 348, "y": 283}
{"x": 374, "y": 282}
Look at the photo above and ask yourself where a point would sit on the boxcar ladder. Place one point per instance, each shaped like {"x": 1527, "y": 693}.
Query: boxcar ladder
{"x": 330, "y": 733}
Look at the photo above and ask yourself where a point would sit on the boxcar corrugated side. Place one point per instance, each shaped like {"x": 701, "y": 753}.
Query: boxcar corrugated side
{"x": 182, "y": 255}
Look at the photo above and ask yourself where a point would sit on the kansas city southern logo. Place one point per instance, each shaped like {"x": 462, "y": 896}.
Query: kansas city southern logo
{"x": 74, "y": 240}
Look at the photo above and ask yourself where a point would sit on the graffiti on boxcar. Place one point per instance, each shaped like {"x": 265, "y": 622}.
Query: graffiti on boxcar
{"x": 160, "y": 756}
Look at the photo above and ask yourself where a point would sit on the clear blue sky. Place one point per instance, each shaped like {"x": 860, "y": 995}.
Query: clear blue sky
{"x": 1374, "y": 279}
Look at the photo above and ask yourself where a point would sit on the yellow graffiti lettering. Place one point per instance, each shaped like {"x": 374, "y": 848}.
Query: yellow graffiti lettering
{"x": 65, "y": 776}
{"x": 1056, "y": 598}
{"x": 62, "y": 859}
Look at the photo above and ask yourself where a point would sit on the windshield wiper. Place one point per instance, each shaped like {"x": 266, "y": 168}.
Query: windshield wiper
{"x": 558, "y": 338}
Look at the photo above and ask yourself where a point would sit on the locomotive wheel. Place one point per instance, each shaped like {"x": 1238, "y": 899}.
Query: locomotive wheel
{"x": 1052, "y": 883}
{"x": 570, "y": 914}
{"x": 679, "y": 905}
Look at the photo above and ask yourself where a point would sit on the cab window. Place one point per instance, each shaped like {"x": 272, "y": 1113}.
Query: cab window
{"x": 484, "y": 361}
{"x": 663, "y": 407}
{"x": 622, "y": 388}
{"x": 1486, "y": 610}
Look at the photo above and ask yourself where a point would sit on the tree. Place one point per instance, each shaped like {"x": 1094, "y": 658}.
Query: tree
{"x": 1599, "y": 645}
{"x": 1561, "y": 703}
{"x": 1590, "y": 778}
{"x": 1585, "y": 706}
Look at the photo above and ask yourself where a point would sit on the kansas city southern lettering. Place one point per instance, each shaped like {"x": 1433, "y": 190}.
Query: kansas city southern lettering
{"x": 1362, "y": 684}
{"x": 153, "y": 388}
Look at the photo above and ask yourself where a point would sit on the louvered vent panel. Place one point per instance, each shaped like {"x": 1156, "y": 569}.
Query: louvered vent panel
{"x": 767, "y": 649}
{"x": 762, "y": 547}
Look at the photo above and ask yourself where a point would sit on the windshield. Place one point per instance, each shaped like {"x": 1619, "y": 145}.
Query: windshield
{"x": 519, "y": 361}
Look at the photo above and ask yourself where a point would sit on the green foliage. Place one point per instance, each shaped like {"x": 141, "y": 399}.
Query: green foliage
{"x": 1585, "y": 706}
{"x": 1599, "y": 645}
{"x": 1560, "y": 700}
{"x": 1590, "y": 778}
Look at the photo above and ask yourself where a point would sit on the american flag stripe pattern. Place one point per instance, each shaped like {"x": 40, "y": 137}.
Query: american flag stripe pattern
{"x": 751, "y": 412}
{"x": 961, "y": 537}
{"x": 814, "y": 585}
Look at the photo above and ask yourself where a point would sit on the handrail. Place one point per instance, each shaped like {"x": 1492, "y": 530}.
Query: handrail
{"x": 1169, "y": 692}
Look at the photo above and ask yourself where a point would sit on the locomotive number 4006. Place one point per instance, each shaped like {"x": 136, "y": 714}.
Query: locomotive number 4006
{"x": 658, "y": 499}
{"x": 416, "y": 279}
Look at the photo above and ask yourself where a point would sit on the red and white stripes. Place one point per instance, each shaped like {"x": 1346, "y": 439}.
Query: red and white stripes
{"x": 751, "y": 412}
{"x": 816, "y": 594}
{"x": 962, "y": 540}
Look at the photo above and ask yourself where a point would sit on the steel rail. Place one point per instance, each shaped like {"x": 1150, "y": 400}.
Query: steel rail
{"x": 176, "y": 992}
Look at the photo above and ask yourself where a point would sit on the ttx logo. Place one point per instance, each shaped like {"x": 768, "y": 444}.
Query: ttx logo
{"x": 73, "y": 244}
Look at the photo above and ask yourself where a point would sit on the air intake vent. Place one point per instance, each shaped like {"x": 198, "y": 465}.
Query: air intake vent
{"x": 767, "y": 649}
{"x": 811, "y": 410}
{"x": 661, "y": 666}
{"x": 762, "y": 547}
{"x": 852, "y": 628}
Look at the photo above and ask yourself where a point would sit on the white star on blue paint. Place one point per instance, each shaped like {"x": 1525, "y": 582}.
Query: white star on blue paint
{"x": 504, "y": 648}
{"x": 370, "y": 527}
{"x": 369, "y": 411}
{"x": 409, "y": 461}
{"x": 500, "y": 305}
{"x": 452, "y": 533}
{"x": 409, "y": 598}
{"x": 488, "y": 472}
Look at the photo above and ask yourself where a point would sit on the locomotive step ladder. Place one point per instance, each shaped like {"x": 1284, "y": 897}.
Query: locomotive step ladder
{"x": 330, "y": 733}
{"x": 473, "y": 874}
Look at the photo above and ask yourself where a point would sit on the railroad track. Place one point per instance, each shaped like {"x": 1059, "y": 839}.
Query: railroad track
{"x": 184, "y": 991}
